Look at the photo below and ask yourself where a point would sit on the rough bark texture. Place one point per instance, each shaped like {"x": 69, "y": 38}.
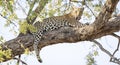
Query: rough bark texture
{"x": 102, "y": 26}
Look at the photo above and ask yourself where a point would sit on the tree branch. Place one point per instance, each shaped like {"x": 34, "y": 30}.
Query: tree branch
{"x": 90, "y": 9}
{"x": 31, "y": 7}
{"x": 8, "y": 20}
{"x": 31, "y": 18}
{"x": 115, "y": 60}
{"x": 101, "y": 27}
{"x": 22, "y": 8}
{"x": 64, "y": 34}
{"x": 105, "y": 13}
{"x": 112, "y": 60}
{"x": 32, "y": 15}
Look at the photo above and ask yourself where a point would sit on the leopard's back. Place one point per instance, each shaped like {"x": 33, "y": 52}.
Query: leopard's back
{"x": 54, "y": 23}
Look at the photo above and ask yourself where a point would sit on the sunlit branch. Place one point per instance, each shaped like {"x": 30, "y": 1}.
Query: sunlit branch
{"x": 31, "y": 18}
{"x": 31, "y": 7}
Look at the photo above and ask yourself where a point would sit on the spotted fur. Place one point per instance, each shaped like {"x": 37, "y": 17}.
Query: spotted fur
{"x": 53, "y": 23}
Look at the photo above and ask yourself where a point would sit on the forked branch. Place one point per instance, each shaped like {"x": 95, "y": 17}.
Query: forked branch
{"x": 101, "y": 27}
{"x": 112, "y": 58}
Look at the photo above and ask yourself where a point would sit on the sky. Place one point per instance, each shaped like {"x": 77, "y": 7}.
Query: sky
{"x": 63, "y": 53}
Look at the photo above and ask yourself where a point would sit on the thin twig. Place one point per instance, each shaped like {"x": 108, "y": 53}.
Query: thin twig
{"x": 31, "y": 12}
{"x": 100, "y": 2}
{"x": 76, "y": 1}
{"x": 90, "y": 10}
{"x": 8, "y": 20}
{"x": 115, "y": 60}
{"x": 115, "y": 35}
{"x": 117, "y": 48}
{"x": 31, "y": 18}
{"x": 84, "y": 3}
{"x": 31, "y": 7}
{"x": 101, "y": 47}
{"x": 112, "y": 60}
{"x": 66, "y": 5}
{"x": 20, "y": 61}
{"x": 22, "y": 8}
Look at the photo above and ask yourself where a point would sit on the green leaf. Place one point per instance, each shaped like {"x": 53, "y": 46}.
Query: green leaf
{"x": 95, "y": 53}
{"x": 5, "y": 53}
{"x": 10, "y": 6}
{"x": 23, "y": 27}
{"x": 7, "y": 23}
{"x": 27, "y": 51}
{"x": 0, "y": 3}
{"x": 4, "y": 13}
{"x": 59, "y": 2}
{"x": 87, "y": 14}
{"x": 51, "y": 12}
{"x": 1, "y": 37}
{"x": 31, "y": 28}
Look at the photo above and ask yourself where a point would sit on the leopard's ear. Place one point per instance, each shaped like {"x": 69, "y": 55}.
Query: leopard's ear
{"x": 77, "y": 12}
{"x": 74, "y": 7}
{"x": 74, "y": 11}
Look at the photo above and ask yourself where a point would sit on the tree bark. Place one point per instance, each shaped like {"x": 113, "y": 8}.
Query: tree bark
{"x": 102, "y": 26}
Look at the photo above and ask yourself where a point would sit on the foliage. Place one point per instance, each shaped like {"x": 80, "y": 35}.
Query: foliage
{"x": 2, "y": 39}
{"x": 4, "y": 53}
{"x": 26, "y": 50}
{"x": 90, "y": 59}
{"x": 24, "y": 26}
{"x": 8, "y": 10}
{"x": 91, "y": 56}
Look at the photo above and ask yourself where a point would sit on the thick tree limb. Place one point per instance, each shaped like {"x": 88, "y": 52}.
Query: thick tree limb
{"x": 64, "y": 34}
{"x": 105, "y": 13}
{"x": 101, "y": 27}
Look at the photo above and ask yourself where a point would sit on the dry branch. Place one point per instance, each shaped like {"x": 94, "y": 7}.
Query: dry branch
{"x": 112, "y": 57}
{"x": 117, "y": 49}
